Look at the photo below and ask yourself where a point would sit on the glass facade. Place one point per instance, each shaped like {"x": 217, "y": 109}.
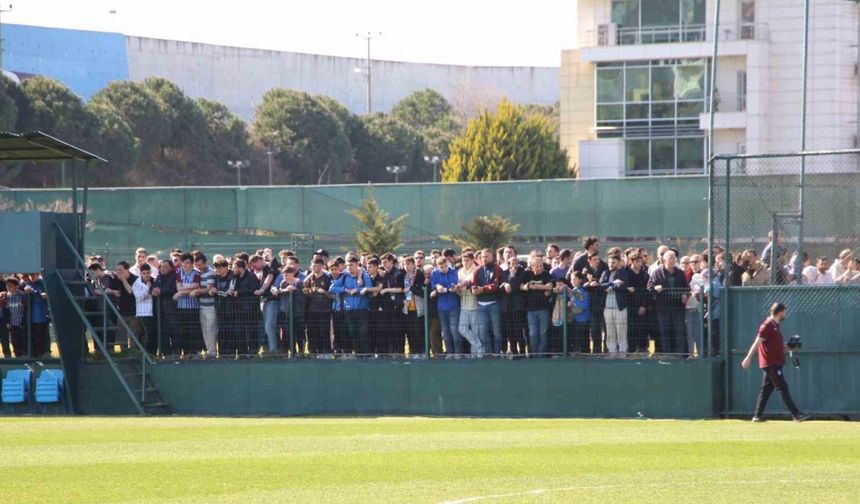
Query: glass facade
{"x": 654, "y": 105}
{"x": 658, "y": 21}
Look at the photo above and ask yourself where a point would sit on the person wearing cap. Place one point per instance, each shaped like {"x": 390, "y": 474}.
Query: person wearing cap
{"x": 316, "y": 287}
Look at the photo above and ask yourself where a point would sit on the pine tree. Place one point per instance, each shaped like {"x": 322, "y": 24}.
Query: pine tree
{"x": 510, "y": 144}
{"x": 485, "y": 232}
{"x": 377, "y": 233}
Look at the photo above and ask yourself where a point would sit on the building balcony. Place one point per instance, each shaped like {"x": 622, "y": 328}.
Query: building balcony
{"x": 610, "y": 42}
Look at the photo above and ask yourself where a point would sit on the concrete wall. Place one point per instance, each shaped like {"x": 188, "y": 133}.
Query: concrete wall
{"x": 495, "y": 388}
{"x": 238, "y": 77}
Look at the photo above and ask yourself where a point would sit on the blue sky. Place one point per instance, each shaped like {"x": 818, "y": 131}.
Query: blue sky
{"x": 474, "y": 32}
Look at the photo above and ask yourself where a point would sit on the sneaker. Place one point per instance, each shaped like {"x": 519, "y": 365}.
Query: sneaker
{"x": 757, "y": 419}
{"x": 800, "y": 417}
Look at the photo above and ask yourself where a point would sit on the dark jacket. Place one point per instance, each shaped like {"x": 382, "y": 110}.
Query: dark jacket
{"x": 490, "y": 277}
{"x": 167, "y": 285}
{"x": 640, "y": 297}
{"x": 515, "y": 301}
{"x": 319, "y": 302}
{"x": 670, "y": 297}
{"x": 607, "y": 282}
{"x": 393, "y": 280}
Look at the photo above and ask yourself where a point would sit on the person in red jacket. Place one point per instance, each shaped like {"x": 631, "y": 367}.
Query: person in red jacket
{"x": 771, "y": 358}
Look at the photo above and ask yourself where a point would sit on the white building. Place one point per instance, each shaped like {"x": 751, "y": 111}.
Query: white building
{"x": 634, "y": 93}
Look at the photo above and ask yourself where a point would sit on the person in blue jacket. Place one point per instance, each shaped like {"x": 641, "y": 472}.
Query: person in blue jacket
{"x": 352, "y": 285}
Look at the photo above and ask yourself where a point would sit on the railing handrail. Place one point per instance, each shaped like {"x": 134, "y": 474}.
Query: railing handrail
{"x": 83, "y": 265}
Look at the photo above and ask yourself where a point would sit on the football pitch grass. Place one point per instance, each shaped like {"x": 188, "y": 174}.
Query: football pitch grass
{"x": 433, "y": 460}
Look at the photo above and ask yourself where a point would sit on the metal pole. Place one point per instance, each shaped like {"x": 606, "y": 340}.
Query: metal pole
{"x": 292, "y": 328}
{"x": 269, "y": 154}
{"x": 75, "y": 207}
{"x": 1, "y": 41}
{"x": 711, "y": 163}
{"x": 435, "y": 172}
{"x": 157, "y": 302}
{"x": 238, "y": 175}
{"x": 798, "y": 260}
{"x": 86, "y": 188}
{"x": 426, "y": 322}
{"x": 774, "y": 263}
{"x": 369, "y": 109}
{"x": 30, "y": 325}
{"x": 713, "y": 80}
{"x": 62, "y": 174}
{"x": 565, "y": 341}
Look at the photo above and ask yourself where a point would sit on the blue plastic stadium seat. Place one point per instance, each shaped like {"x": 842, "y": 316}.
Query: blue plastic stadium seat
{"x": 16, "y": 387}
{"x": 56, "y": 374}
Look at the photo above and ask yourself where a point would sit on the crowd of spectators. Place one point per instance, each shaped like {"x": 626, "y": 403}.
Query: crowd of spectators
{"x": 475, "y": 302}
{"x": 24, "y": 316}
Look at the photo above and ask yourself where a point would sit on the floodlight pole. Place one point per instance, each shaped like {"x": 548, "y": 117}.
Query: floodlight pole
{"x": 712, "y": 260}
{"x": 2, "y": 10}
{"x": 798, "y": 259}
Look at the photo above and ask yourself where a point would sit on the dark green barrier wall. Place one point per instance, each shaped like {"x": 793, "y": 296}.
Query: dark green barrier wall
{"x": 634, "y": 209}
{"x": 828, "y": 321}
{"x": 537, "y": 388}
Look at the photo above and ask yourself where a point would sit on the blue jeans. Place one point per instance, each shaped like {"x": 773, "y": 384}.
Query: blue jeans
{"x": 490, "y": 315}
{"x": 449, "y": 321}
{"x": 270, "y": 323}
{"x": 538, "y": 325}
{"x": 694, "y": 332}
{"x": 469, "y": 329}
{"x": 673, "y": 331}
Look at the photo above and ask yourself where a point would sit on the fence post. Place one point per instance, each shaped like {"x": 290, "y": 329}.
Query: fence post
{"x": 426, "y": 322}
{"x": 565, "y": 339}
{"x": 157, "y": 302}
{"x": 104, "y": 323}
{"x": 29, "y": 314}
{"x": 292, "y": 326}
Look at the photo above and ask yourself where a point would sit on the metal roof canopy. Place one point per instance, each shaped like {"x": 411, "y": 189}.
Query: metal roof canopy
{"x": 38, "y": 147}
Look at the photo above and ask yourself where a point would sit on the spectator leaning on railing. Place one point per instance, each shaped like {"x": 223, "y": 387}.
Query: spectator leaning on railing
{"x": 364, "y": 304}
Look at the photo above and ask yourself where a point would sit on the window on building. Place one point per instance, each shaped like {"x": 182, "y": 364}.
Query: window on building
{"x": 747, "y": 13}
{"x": 655, "y": 106}
{"x": 658, "y": 21}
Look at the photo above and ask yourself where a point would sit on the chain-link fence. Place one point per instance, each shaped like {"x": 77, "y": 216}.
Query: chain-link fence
{"x": 785, "y": 229}
{"x": 800, "y": 202}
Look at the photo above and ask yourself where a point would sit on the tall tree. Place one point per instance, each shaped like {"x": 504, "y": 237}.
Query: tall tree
{"x": 429, "y": 113}
{"x": 8, "y": 104}
{"x": 55, "y": 109}
{"x": 387, "y": 141}
{"x": 115, "y": 142}
{"x": 551, "y": 112}
{"x": 186, "y": 122}
{"x": 314, "y": 147}
{"x": 506, "y": 145}
{"x": 377, "y": 233}
{"x": 143, "y": 111}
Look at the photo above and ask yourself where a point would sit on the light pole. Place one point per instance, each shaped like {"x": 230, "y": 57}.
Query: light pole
{"x": 272, "y": 151}
{"x": 366, "y": 69}
{"x": 396, "y": 170}
{"x": 435, "y": 161}
{"x": 8, "y": 8}
{"x": 239, "y": 164}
